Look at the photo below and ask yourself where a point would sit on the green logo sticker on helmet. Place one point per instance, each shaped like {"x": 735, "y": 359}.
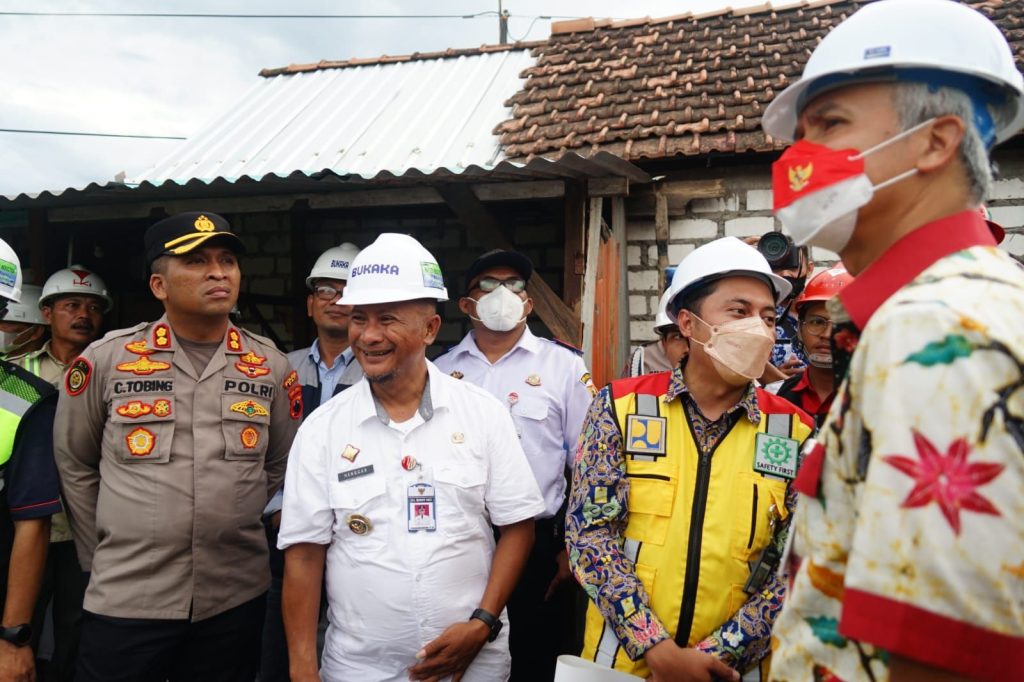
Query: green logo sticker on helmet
{"x": 776, "y": 456}
{"x": 432, "y": 275}
{"x": 8, "y": 273}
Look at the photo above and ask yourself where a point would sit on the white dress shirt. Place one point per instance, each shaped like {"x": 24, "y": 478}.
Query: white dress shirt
{"x": 391, "y": 591}
{"x": 548, "y": 390}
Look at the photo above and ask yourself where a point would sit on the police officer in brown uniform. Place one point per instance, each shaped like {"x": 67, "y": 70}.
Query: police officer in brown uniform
{"x": 170, "y": 438}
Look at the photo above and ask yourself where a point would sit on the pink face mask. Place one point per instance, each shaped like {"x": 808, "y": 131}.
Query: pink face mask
{"x": 739, "y": 349}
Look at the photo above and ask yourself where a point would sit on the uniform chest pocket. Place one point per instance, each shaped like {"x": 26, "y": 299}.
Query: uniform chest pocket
{"x": 761, "y": 504}
{"x": 143, "y": 428}
{"x": 245, "y": 422}
{"x": 460, "y": 487}
{"x": 529, "y": 407}
{"x": 650, "y": 508}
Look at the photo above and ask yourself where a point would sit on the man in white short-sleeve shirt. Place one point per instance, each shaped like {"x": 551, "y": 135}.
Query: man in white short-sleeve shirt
{"x": 394, "y": 485}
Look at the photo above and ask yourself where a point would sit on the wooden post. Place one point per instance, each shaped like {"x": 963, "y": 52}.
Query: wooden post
{"x": 661, "y": 235}
{"x": 575, "y": 206}
{"x": 622, "y": 326}
{"x": 590, "y": 277}
{"x": 563, "y": 322}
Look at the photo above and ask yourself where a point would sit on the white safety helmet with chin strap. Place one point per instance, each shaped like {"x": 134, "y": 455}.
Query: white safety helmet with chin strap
{"x": 75, "y": 281}
{"x": 26, "y": 310}
{"x": 937, "y": 42}
{"x": 393, "y": 268}
{"x": 725, "y": 257}
{"x": 334, "y": 263}
{"x": 10, "y": 273}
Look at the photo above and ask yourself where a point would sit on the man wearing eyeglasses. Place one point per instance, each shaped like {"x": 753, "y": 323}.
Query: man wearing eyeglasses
{"x": 547, "y": 388}
{"x": 326, "y": 368}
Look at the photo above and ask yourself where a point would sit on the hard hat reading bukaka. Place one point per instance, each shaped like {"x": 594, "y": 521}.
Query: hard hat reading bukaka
{"x": 393, "y": 268}
{"x": 334, "y": 263}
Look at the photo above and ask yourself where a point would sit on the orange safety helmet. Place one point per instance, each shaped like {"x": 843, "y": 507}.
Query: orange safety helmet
{"x": 995, "y": 228}
{"x": 824, "y": 285}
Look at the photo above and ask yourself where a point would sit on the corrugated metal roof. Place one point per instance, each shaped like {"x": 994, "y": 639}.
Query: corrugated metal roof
{"x": 419, "y": 115}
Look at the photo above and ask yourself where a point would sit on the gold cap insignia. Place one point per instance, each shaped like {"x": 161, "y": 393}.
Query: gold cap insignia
{"x": 204, "y": 224}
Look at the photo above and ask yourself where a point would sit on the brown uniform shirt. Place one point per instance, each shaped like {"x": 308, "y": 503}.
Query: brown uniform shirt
{"x": 166, "y": 472}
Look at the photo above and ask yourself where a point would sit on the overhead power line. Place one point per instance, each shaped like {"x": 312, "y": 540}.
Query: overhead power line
{"x": 79, "y": 134}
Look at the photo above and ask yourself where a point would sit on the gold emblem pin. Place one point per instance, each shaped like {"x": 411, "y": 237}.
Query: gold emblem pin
{"x": 533, "y": 380}
{"x": 204, "y": 224}
{"x": 350, "y": 453}
{"x": 359, "y": 524}
{"x": 456, "y": 374}
{"x": 458, "y": 437}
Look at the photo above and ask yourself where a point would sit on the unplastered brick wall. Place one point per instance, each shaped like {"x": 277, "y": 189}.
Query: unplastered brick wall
{"x": 745, "y": 210}
{"x": 267, "y": 265}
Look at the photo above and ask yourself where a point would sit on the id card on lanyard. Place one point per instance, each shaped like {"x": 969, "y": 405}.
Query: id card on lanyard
{"x": 421, "y": 507}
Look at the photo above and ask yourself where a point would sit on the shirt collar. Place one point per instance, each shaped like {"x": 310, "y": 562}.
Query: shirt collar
{"x": 804, "y": 384}
{"x": 908, "y": 258}
{"x": 345, "y": 357}
{"x": 677, "y": 386}
{"x": 528, "y": 342}
{"x": 435, "y": 395}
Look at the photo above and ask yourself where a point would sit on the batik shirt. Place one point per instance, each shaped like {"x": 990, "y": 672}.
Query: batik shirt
{"x": 742, "y": 640}
{"x": 910, "y": 529}
{"x": 787, "y": 331}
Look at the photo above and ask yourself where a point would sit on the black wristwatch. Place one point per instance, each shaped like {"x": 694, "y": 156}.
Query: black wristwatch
{"x": 21, "y": 635}
{"x": 490, "y": 620}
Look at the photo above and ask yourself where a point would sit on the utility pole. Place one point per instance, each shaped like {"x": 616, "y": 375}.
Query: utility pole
{"x": 502, "y": 25}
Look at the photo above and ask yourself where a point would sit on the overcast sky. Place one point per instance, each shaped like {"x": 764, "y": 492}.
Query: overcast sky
{"x": 172, "y": 76}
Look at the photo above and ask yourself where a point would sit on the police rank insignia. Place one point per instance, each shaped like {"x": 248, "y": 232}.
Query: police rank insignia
{"x": 775, "y": 456}
{"x": 250, "y": 437}
{"x": 134, "y": 408}
{"x": 162, "y": 336}
{"x": 143, "y": 366}
{"x": 533, "y": 380}
{"x": 138, "y": 347}
{"x": 252, "y": 371}
{"x": 645, "y": 435}
{"x": 204, "y": 224}
{"x": 162, "y": 407}
{"x": 290, "y": 380}
{"x": 78, "y": 376}
{"x": 457, "y": 374}
{"x": 350, "y": 453}
{"x": 234, "y": 341}
{"x": 251, "y": 358}
{"x": 140, "y": 442}
{"x": 250, "y": 408}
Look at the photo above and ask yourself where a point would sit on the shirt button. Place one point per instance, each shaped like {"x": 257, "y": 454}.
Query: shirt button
{"x": 418, "y": 577}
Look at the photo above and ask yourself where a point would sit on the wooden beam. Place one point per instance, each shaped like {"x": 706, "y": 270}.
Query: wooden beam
{"x": 608, "y": 187}
{"x": 661, "y": 235}
{"x": 575, "y": 209}
{"x": 590, "y": 277}
{"x": 418, "y": 195}
{"x": 622, "y": 327}
{"x": 471, "y": 212}
{"x": 678, "y": 193}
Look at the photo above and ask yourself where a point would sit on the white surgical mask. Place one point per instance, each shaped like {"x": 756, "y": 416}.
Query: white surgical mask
{"x": 739, "y": 349}
{"x": 836, "y": 185}
{"x": 820, "y": 360}
{"x": 500, "y": 310}
{"x": 12, "y": 342}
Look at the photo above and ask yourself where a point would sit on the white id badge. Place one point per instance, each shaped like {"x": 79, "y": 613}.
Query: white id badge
{"x": 420, "y": 500}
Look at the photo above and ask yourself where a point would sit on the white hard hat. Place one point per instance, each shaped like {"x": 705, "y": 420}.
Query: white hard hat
{"x": 333, "y": 263}
{"x": 725, "y": 257}
{"x": 394, "y": 268}
{"x": 26, "y": 310}
{"x": 10, "y": 273}
{"x": 76, "y": 280}
{"x": 935, "y": 41}
{"x": 662, "y": 319}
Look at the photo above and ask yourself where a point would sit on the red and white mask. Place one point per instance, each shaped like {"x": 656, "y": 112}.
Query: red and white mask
{"x": 818, "y": 190}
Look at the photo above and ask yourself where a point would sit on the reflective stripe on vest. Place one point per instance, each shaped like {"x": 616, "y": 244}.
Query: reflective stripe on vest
{"x": 19, "y": 391}
{"x": 664, "y": 499}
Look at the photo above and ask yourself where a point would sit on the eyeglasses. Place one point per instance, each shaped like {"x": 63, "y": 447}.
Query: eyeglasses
{"x": 327, "y": 293}
{"x": 817, "y": 325}
{"x": 516, "y": 285}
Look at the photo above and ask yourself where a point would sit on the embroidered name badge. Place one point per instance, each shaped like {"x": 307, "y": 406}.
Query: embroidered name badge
{"x": 358, "y": 472}
{"x": 645, "y": 435}
{"x": 776, "y": 456}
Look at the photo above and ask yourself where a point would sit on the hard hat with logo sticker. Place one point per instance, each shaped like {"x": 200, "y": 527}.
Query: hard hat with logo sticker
{"x": 334, "y": 263}
{"x": 725, "y": 257}
{"x": 27, "y": 310}
{"x": 10, "y": 273}
{"x": 394, "y": 268}
{"x": 937, "y": 42}
{"x": 825, "y": 285}
{"x": 75, "y": 281}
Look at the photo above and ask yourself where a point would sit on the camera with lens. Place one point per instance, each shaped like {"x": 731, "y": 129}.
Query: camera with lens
{"x": 779, "y": 250}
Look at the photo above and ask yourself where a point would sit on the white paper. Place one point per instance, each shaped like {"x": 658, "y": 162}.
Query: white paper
{"x": 576, "y": 669}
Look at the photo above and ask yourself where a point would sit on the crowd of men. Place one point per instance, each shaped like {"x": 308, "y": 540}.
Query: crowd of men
{"x": 807, "y": 477}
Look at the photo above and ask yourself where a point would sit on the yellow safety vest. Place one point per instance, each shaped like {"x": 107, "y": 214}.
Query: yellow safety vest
{"x": 697, "y": 522}
{"x": 19, "y": 391}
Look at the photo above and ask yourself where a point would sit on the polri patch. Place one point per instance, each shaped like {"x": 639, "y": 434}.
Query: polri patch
{"x": 78, "y": 376}
{"x": 250, "y": 438}
{"x": 645, "y": 435}
{"x": 358, "y": 472}
{"x": 140, "y": 442}
{"x": 776, "y": 456}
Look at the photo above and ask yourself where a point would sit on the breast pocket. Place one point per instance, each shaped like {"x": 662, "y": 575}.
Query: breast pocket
{"x": 764, "y": 501}
{"x": 143, "y": 429}
{"x": 460, "y": 488}
{"x": 361, "y": 518}
{"x": 650, "y": 508}
{"x": 529, "y": 412}
{"x": 245, "y": 422}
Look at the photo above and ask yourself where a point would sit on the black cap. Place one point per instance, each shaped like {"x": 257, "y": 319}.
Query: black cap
{"x": 183, "y": 232}
{"x": 494, "y": 259}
